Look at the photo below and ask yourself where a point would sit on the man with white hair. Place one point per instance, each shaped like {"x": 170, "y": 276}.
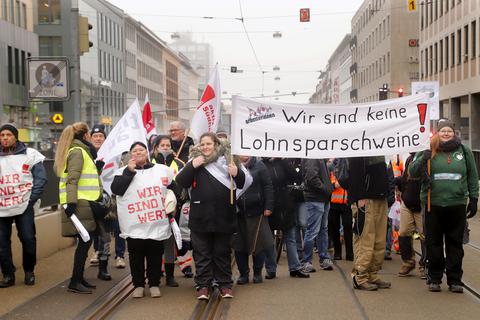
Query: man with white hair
{"x": 177, "y": 133}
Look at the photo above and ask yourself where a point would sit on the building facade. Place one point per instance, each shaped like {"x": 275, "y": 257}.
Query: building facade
{"x": 17, "y": 43}
{"x": 450, "y": 54}
{"x": 341, "y": 81}
{"x": 384, "y": 47}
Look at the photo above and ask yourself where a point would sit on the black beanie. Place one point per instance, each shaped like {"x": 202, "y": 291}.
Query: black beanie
{"x": 10, "y": 128}
{"x": 99, "y": 128}
{"x": 138, "y": 143}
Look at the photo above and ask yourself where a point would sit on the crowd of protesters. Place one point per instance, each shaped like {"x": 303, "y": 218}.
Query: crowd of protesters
{"x": 228, "y": 205}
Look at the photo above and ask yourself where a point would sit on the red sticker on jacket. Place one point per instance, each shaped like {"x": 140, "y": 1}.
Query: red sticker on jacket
{"x": 165, "y": 181}
{"x": 25, "y": 168}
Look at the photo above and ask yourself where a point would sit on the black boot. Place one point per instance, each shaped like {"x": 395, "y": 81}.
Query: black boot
{"x": 7, "y": 281}
{"x": 88, "y": 285}
{"x": 102, "y": 271}
{"x": 77, "y": 287}
{"x": 406, "y": 248}
{"x": 257, "y": 276}
{"x": 169, "y": 268}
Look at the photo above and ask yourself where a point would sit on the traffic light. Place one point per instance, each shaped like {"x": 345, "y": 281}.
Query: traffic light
{"x": 83, "y": 27}
{"x": 400, "y": 92}
{"x": 305, "y": 15}
{"x": 383, "y": 92}
{"x": 233, "y": 69}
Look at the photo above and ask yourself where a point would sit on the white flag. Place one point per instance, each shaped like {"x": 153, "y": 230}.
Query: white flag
{"x": 207, "y": 115}
{"x": 128, "y": 130}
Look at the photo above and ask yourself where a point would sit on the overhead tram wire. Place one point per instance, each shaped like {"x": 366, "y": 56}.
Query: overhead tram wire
{"x": 251, "y": 46}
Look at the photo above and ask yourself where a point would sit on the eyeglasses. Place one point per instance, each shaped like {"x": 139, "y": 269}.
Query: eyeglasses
{"x": 174, "y": 130}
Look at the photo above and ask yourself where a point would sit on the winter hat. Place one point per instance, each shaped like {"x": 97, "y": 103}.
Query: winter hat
{"x": 10, "y": 128}
{"x": 445, "y": 123}
{"x": 138, "y": 143}
{"x": 98, "y": 128}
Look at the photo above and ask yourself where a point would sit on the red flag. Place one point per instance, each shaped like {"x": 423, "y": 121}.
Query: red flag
{"x": 147, "y": 118}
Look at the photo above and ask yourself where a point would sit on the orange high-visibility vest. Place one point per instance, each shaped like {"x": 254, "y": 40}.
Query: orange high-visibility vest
{"x": 339, "y": 195}
{"x": 397, "y": 168}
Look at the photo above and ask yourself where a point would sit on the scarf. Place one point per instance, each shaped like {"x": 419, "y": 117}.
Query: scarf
{"x": 450, "y": 145}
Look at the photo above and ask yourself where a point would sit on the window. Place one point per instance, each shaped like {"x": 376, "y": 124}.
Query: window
{"x": 427, "y": 62}
{"x": 436, "y": 58}
{"x": 12, "y": 12}
{"x": 440, "y": 5}
{"x": 10, "y": 64}
{"x": 17, "y": 11}
{"x": 17, "y": 66}
{"x": 474, "y": 39}
{"x": 452, "y": 42}
{"x": 440, "y": 60}
{"x": 23, "y": 68}
{"x": 49, "y": 11}
{"x": 465, "y": 40}
{"x": 24, "y": 16}
{"x": 459, "y": 46}
{"x": 447, "y": 61}
{"x": 4, "y": 9}
{"x": 50, "y": 46}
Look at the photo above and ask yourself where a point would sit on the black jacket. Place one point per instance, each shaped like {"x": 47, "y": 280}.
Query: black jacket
{"x": 185, "y": 150}
{"x": 318, "y": 187}
{"x": 410, "y": 188}
{"x": 282, "y": 174}
{"x": 210, "y": 208}
{"x": 367, "y": 178}
{"x": 259, "y": 196}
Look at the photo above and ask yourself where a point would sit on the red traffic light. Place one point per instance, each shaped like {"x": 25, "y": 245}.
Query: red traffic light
{"x": 305, "y": 15}
{"x": 400, "y": 92}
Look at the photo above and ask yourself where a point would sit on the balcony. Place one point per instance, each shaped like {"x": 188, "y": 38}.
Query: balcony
{"x": 353, "y": 42}
{"x": 353, "y": 69}
{"x": 353, "y": 95}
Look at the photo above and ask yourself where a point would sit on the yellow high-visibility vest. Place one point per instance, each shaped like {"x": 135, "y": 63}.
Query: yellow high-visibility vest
{"x": 88, "y": 185}
{"x": 173, "y": 166}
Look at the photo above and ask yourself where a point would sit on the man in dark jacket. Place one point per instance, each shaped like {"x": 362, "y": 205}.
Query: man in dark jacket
{"x": 22, "y": 179}
{"x": 177, "y": 133}
{"x": 317, "y": 193}
{"x": 368, "y": 191}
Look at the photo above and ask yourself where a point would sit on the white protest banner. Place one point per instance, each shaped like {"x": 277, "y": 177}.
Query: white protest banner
{"x": 128, "y": 130}
{"x": 432, "y": 89}
{"x": 207, "y": 115}
{"x": 271, "y": 129}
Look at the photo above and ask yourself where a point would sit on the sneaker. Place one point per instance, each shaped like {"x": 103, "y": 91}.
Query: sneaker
{"x": 187, "y": 272}
{"x": 299, "y": 274}
{"x": 388, "y": 256}
{"x": 94, "y": 259}
{"x": 405, "y": 270}
{"x": 366, "y": 286}
{"x": 381, "y": 284}
{"x": 203, "y": 293}
{"x": 457, "y": 288}
{"x": 155, "y": 292}
{"x": 139, "y": 292}
{"x": 270, "y": 275}
{"x": 77, "y": 287}
{"x": 243, "y": 279}
{"x": 326, "y": 264}
{"x": 29, "y": 278}
{"x": 226, "y": 293}
{"x": 308, "y": 268}
{"x": 434, "y": 287}
{"x": 120, "y": 263}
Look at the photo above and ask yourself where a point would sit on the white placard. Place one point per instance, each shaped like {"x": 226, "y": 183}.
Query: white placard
{"x": 432, "y": 89}
{"x": 272, "y": 129}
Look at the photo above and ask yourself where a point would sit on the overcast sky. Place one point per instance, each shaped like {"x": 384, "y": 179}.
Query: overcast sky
{"x": 303, "y": 49}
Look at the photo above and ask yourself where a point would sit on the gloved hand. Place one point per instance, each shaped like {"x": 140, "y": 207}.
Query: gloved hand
{"x": 70, "y": 209}
{"x": 99, "y": 165}
{"x": 427, "y": 155}
{"x": 472, "y": 208}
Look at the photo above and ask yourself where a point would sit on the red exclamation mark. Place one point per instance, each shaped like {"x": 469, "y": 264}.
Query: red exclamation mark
{"x": 422, "y": 111}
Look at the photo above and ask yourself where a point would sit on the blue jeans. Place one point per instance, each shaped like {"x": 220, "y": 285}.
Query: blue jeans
{"x": 317, "y": 226}
{"x": 25, "y": 224}
{"x": 290, "y": 238}
{"x": 271, "y": 259}
{"x": 301, "y": 211}
{"x": 119, "y": 241}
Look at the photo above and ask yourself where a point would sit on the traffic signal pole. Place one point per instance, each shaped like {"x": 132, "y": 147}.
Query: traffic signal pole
{"x": 73, "y": 115}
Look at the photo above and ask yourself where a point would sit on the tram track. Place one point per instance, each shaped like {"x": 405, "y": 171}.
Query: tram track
{"x": 348, "y": 284}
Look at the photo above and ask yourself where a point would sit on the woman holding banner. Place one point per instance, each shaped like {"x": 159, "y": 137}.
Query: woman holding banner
{"x": 144, "y": 205}
{"x": 212, "y": 176}
{"x": 79, "y": 187}
{"x": 452, "y": 180}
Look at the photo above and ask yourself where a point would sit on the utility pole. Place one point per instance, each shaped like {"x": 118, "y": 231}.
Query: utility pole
{"x": 75, "y": 64}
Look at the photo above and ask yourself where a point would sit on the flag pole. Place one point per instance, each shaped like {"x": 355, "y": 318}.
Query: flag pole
{"x": 231, "y": 182}
{"x": 183, "y": 142}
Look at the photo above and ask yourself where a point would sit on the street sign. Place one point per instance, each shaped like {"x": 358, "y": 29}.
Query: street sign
{"x": 48, "y": 79}
{"x": 57, "y": 118}
{"x": 412, "y": 5}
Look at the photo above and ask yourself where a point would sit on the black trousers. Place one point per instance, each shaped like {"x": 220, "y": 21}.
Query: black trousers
{"x": 25, "y": 224}
{"x": 81, "y": 253}
{"x": 448, "y": 223}
{"x": 140, "y": 250}
{"x": 212, "y": 256}
{"x": 344, "y": 212}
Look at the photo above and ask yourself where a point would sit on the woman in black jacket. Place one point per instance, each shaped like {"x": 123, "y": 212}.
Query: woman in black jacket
{"x": 212, "y": 212}
{"x": 253, "y": 234}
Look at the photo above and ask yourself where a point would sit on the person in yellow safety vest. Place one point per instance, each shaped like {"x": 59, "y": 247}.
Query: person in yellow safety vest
{"x": 163, "y": 154}
{"x": 340, "y": 210}
{"x": 79, "y": 186}
{"x": 397, "y": 166}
